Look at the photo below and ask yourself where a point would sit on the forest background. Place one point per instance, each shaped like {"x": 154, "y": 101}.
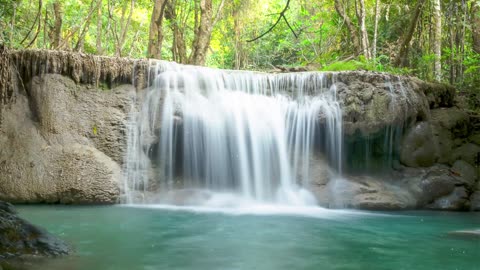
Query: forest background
{"x": 434, "y": 40}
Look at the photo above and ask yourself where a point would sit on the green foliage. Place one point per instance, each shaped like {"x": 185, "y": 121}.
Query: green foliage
{"x": 363, "y": 64}
{"x": 324, "y": 41}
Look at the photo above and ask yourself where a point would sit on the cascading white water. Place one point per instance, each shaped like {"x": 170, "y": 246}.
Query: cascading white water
{"x": 246, "y": 133}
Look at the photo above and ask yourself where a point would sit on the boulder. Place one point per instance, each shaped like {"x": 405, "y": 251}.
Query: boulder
{"x": 465, "y": 172}
{"x": 438, "y": 95}
{"x": 452, "y": 119}
{"x": 468, "y": 152}
{"x": 431, "y": 183}
{"x": 475, "y": 201}
{"x": 418, "y": 149}
{"x": 455, "y": 201}
{"x": 475, "y": 138}
{"x": 18, "y": 237}
{"x": 362, "y": 192}
{"x": 444, "y": 143}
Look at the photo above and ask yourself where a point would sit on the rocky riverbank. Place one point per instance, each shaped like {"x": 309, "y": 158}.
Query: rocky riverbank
{"x": 19, "y": 240}
{"x": 65, "y": 127}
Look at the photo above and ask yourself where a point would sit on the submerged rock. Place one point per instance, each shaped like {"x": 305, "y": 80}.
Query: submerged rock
{"x": 18, "y": 237}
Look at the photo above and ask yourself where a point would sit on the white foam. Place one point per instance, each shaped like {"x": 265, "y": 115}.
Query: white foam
{"x": 231, "y": 204}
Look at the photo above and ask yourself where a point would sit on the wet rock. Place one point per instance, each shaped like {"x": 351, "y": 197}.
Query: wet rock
{"x": 18, "y": 237}
{"x": 367, "y": 193}
{"x": 418, "y": 148}
{"x": 444, "y": 143}
{"x": 452, "y": 119}
{"x": 467, "y": 152}
{"x": 428, "y": 184}
{"x": 475, "y": 138}
{"x": 475, "y": 201}
{"x": 438, "y": 95}
{"x": 466, "y": 172}
{"x": 7, "y": 207}
{"x": 457, "y": 200}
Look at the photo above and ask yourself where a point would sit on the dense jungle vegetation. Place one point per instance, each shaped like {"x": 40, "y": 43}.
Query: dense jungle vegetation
{"x": 432, "y": 39}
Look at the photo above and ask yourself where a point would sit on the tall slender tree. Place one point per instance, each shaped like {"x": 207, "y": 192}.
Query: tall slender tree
{"x": 475, "y": 11}
{"x": 352, "y": 29}
{"x": 203, "y": 33}
{"x": 155, "y": 37}
{"x": 375, "y": 29}
{"x": 437, "y": 42}
{"x": 401, "y": 59}
{"x": 361, "y": 16}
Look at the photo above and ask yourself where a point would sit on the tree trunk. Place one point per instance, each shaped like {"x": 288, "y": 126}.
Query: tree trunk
{"x": 238, "y": 42}
{"x": 461, "y": 42}
{"x": 452, "y": 50}
{"x": 179, "y": 49}
{"x": 437, "y": 43}
{"x": 476, "y": 25}
{"x": 155, "y": 36}
{"x": 98, "y": 42}
{"x": 350, "y": 26}
{"x": 124, "y": 29}
{"x": 57, "y": 28}
{"x": 401, "y": 59}
{"x": 375, "y": 31}
{"x": 203, "y": 34}
{"x": 363, "y": 30}
{"x": 12, "y": 24}
{"x": 83, "y": 33}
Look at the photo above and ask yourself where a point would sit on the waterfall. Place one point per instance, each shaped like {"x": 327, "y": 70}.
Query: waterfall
{"x": 245, "y": 133}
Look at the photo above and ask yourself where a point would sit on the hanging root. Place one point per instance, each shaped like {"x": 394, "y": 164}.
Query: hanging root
{"x": 6, "y": 83}
{"x": 82, "y": 68}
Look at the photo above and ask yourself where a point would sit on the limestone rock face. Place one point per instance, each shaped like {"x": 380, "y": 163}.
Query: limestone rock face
{"x": 372, "y": 101}
{"x": 66, "y": 143}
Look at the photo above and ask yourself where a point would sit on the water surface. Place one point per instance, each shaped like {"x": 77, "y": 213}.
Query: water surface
{"x": 130, "y": 238}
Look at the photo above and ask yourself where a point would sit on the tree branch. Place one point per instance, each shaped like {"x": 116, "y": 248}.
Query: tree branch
{"x": 37, "y": 17}
{"x": 281, "y": 15}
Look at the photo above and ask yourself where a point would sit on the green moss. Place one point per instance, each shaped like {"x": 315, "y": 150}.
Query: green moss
{"x": 362, "y": 64}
